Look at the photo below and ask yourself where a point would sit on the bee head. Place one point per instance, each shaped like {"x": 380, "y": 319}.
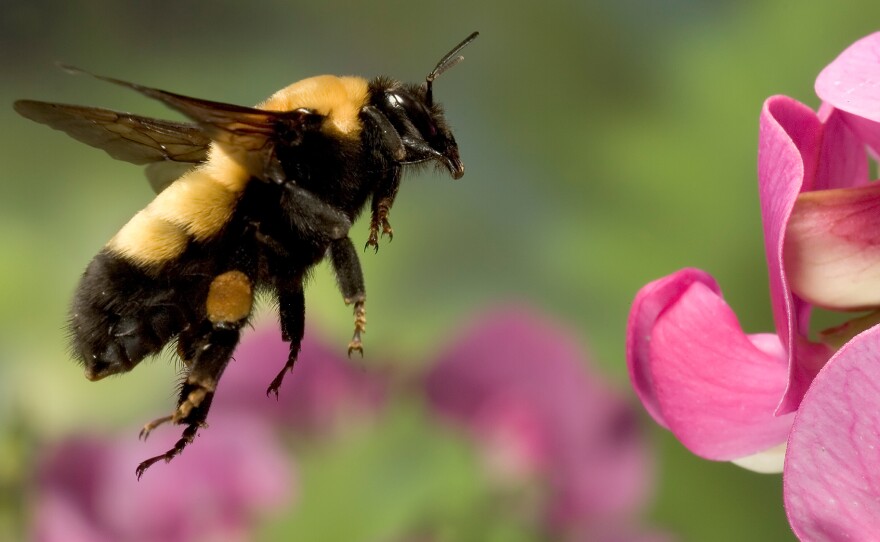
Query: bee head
{"x": 422, "y": 128}
{"x": 419, "y": 121}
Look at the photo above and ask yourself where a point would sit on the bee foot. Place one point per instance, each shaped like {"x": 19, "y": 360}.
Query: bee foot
{"x": 188, "y": 435}
{"x": 373, "y": 240}
{"x": 276, "y": 382}
{"x": 148, "y": 427}
{"x": 360, "y": 326}
{"x": 387, "y": 230}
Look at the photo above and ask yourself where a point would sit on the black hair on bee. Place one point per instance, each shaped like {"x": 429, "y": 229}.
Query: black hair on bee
{"x": 248, "y": 198}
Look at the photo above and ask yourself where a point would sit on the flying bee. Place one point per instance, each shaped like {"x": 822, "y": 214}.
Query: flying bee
{"x": 248, "y": 199}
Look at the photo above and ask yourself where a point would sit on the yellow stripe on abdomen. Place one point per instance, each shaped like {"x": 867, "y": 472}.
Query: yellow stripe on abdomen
{"x": 196, "y": 206}
{"x": 148, "y": 240}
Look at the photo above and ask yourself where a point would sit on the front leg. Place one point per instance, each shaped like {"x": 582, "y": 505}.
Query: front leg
{"x": 350, "y": 278}
{"x": 392, "y": 145}
{"x": 383, "y": 199}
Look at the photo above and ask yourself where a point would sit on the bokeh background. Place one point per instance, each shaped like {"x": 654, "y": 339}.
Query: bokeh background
{"x": 607, "y": 143}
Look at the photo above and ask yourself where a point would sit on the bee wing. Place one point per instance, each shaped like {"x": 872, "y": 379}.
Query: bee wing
{"x": 167, "y": 148}
{"x": 139, "y": 140}
{"x": 248, "y": 135}
{"x": 162, "y": 174}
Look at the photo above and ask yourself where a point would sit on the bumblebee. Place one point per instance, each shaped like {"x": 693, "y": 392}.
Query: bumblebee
{"x": 249, "y": 199}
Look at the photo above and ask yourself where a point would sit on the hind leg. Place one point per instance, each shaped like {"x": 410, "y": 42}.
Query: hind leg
{"x": 120, "y": 315}
{"x": 208, "y": 350}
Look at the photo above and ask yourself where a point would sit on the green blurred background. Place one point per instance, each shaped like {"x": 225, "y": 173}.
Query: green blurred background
{"x": 606, "y": 144}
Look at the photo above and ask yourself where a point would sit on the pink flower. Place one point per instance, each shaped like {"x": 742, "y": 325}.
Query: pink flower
{"x": 324, "y": 389}
{"x": 520, "y": 385}
{"x": 87, "y": 490}
{"x": 832, "y": 480}
{"x": 728, "y": 395}
{"x": 699, "y": 375}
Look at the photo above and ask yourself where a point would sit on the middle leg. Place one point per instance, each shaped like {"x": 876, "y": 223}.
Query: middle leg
{"x": 292, "y": 312}
{"x": 347, "y": 266}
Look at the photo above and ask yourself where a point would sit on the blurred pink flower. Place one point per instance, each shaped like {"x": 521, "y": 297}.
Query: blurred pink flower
{"x": 731, "y": 396}
{"x": 324, "y": 388}
{"x": 87, "y": 490}
{"x": 522, "y": 388}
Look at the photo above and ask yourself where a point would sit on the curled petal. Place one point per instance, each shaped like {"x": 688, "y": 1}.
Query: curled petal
{"x": 717, "y": 388}
{"x": 852, "y": 81}
{"x": 832, "y": 483}
{"x": 832, "y": 249}
{"x": 788, "y": 156}
{"x": 648, "y": 305}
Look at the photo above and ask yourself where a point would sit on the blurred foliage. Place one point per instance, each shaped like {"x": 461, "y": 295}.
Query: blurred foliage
{"x": 606, "y": 143}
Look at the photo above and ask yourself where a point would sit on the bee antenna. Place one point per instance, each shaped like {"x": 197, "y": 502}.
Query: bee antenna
{"x": 449, "y": 60}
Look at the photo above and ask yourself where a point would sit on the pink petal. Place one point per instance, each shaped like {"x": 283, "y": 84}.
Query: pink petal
{"x": 832, "y": 249}
{"x": 717, "y": 388}
{"x": 648, "y": 305}
{"x": 867, "y": 131}
{"x": 788, "y": 153}
{"x": 843, "y": 162}
{"x": 852, "y": 81}
{"x": 832, "y": 479}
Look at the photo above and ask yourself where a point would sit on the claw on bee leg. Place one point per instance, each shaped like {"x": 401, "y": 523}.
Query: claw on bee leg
{"x": 149, "y": 426}
{"x": 360, "y": 326}
{"x": 188, "y": 435}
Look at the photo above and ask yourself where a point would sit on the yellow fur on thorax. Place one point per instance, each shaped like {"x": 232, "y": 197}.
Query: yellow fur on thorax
{"x": 340, "y": 99}
{"x": 201, "y": 202}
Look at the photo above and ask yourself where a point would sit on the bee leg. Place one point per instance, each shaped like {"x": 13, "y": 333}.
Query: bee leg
{"x": 228, "y": 306}
{"x": 186, "y": 351}
{"x": 383, "y": 197}
{"x": 350, "y": 278}
{"x": 384, "y": 131}
{"x": 311, "y": 215}
{"x": 292, "y": 310}
{"x": 149, "y": 426}
{"x": 196, "y": 393}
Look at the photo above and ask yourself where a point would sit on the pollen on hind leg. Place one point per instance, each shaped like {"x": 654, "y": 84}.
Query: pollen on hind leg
{"x": 230, "y": 298}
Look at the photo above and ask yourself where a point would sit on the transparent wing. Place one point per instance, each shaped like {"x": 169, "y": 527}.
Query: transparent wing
{"x": 167, "y": 148}
{"x": 247, "y": 134}
{"x": 131, "y": 138}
